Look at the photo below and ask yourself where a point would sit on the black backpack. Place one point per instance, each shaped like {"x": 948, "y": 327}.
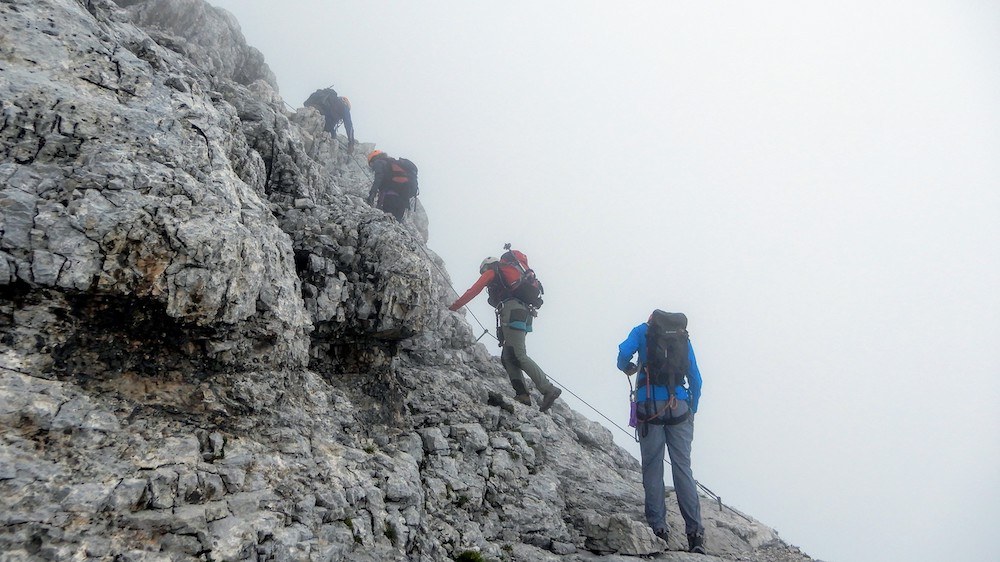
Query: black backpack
{"x": 403, "y": 177}
{"x": 667, "y": 362}
{"x": 330, "y": 106}
{"x": 325, "y": 98}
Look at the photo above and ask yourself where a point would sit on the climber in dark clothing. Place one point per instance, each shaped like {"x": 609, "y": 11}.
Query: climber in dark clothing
{"x": 334, "y": 109}
{"x": 394, "y": 183}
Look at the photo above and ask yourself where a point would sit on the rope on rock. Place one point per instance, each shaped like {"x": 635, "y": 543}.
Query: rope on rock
{"x": 564, "y": 387}
{"x": 457, "y": 294}
{"x": 350, "y": 155}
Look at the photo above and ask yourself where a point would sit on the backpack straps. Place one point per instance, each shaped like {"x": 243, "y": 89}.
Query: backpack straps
{"x": 506, "y": 290}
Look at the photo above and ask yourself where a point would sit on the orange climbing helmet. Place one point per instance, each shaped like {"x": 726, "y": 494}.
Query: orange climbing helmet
{"x": 374, "y": 154}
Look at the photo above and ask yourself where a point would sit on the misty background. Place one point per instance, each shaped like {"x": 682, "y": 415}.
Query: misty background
{"x": 816, "y": 186}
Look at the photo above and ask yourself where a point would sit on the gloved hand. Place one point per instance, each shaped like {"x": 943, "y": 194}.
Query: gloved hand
{"x": 631, "y": 369}
{"x": 454, "y": 308}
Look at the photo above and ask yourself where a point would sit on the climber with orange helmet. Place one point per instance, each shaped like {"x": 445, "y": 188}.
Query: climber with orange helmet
{"x": 334, "y": 109}
{"x": 394, "y": 183}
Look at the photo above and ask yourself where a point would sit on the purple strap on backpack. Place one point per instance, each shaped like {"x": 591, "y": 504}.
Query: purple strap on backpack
{"x": 633, "y": 416}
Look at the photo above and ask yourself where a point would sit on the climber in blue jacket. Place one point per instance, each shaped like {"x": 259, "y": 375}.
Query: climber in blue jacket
{"x": 666, "y": 423}
{"x": 636, "y": 341}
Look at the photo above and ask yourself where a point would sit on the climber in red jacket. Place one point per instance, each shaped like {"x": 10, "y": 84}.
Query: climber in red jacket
{"x": 515, "y": 309}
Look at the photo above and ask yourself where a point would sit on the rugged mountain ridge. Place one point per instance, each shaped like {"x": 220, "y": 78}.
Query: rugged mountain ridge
{"x": 212, "y": 348}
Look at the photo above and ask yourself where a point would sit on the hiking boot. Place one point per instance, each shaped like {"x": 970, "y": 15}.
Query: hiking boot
{"x": 696, "y": 543}
{"x": 550, "y": 398}
{"x": 523, "y": 399}
{"x": 662, "y": 534}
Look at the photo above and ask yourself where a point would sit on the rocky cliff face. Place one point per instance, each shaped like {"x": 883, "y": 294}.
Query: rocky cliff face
{"x": 212, "y": 348}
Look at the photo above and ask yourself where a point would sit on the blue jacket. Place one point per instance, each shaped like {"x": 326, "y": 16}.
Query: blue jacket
{"x": 636, "y": 342}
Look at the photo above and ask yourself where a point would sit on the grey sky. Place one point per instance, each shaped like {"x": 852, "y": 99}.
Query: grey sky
{"x": 816, "y": 186}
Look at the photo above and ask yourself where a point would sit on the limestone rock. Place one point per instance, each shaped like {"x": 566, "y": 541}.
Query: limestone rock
{"x": 211, "y": 347}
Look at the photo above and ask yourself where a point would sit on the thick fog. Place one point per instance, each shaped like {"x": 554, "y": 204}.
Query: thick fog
{"x": 817, "y": 186}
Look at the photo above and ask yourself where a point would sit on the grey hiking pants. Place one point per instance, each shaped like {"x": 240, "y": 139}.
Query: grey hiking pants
{"x": 515, "y": 323}
{"x": 676, "y": 439}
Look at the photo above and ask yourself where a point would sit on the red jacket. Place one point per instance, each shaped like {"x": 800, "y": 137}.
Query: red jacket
{"x": 510, "y": 274}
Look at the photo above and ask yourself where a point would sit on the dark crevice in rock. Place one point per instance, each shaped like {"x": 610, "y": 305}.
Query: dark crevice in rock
{"x": 94, "y": 339}
{"x": 382, "y": 393}
{"x": 208, "y": 144}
